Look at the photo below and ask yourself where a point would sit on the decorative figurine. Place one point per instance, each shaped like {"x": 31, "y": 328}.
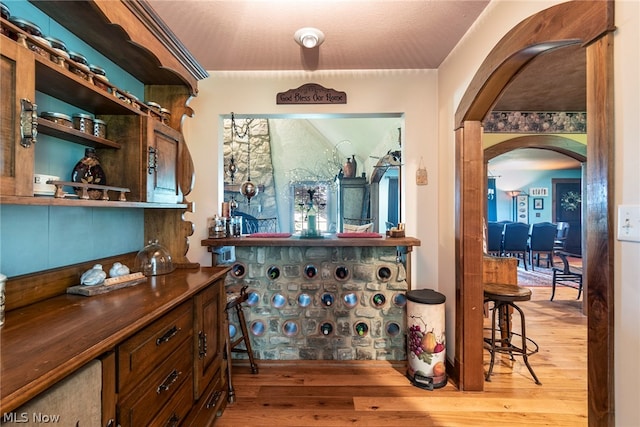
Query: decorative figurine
{"x": 93, "y": 276}
{"x": 118, "y": 269}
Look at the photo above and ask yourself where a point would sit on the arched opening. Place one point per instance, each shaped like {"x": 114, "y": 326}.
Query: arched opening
{"x": 589, "y": 24}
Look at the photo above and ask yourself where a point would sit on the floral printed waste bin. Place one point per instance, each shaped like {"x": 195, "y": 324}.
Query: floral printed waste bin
{"x": 426, "y": 355}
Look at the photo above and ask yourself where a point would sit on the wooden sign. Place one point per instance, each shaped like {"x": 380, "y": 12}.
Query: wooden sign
{"x": 311, "y": 93}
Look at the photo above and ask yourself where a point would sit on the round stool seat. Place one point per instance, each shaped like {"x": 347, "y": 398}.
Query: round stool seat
{"x": 508, "y": 293}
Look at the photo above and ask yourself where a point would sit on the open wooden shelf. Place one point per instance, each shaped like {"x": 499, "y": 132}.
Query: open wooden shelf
{"x": 47, "y": 127}
{"x": 76, "y": 202}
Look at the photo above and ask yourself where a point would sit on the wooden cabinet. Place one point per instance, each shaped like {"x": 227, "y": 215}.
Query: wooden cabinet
{"x": 209, "y": 366}
{"x": 163, "y": 149}
{"x": 141, "y": 153}
{"x": 154, "y": 364}
{"x": 17, "y": 83}
{"x": 209, "y": 324}
{"x": 174, "y": 363}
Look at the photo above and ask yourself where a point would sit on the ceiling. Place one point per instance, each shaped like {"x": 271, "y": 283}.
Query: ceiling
{"x": 226, "y": 35}
{"x": 257, "y": 35}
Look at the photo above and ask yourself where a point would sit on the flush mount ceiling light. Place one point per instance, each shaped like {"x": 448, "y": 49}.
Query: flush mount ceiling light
{"x": 309, "y": 37}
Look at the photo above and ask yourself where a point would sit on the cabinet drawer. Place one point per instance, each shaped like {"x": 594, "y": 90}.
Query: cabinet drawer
{"x": 173, "y": 413}
{"x": 141, "y": 353}
{"x": 156, "y": 390}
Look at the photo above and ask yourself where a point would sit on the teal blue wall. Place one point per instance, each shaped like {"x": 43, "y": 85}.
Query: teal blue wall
{"x": 35, "y": 238}
{"x": 528, "y": 179}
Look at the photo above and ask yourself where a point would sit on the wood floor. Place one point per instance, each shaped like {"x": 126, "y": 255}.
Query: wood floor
{"x": 377, "y": 393}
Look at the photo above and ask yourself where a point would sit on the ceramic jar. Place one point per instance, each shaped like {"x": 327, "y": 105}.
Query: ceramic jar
{"x": 349, "y": 170}
{"x": 89, "y": 171}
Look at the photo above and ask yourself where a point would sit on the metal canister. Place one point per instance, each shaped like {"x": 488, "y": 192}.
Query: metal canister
{"x": 165, "y": 115}
{"x": 99, "y": 128}
{"x": 83, "y": 123}
{"x": 426, "y": 346}
{"x": 59, "y": 118}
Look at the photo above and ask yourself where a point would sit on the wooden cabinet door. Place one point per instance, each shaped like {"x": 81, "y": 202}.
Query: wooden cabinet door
{"x": 17, "y": 77}
{"x": 209, "y": 340}
{"x": 163, "y": 162}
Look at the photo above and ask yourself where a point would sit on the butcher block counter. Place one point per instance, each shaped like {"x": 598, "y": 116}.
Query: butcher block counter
{"x": 285, "y": 239}
{"x": 45, "y": 342}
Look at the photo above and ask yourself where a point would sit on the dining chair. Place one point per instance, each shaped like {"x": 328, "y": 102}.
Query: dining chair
{"x": 542, "y": 239}
{"x": 249, "y": 222}
{"x": 495, "y": 232}
{"x": 267, "y": 225}
{"x": 516, "y": 237}
{"x": 562, "y": 231}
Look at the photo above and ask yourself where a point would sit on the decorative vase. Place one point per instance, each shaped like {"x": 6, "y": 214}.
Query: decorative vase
{"x": 348, "y": 170}
{"x": 355, "y": 164}
{"x": 89, "y": 171}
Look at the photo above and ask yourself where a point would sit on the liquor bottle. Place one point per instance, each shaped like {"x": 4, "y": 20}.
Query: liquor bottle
{"x": 361, "y": 329}
{"x": 378, "y": 300}
{"x": 326, "y": 328}
{"x": 327, "y": 300}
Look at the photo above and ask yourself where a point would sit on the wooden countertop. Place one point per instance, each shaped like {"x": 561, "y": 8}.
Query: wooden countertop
{"x": 44, "y": 342}
{"x": 327, "y": 240}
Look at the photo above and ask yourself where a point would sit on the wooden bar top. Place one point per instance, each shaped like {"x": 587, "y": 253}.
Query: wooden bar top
{"x": 326, "y": 240}
{"x": 44, "y": 342}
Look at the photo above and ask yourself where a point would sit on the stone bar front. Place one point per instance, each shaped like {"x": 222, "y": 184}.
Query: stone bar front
{"x": 322, "y": 299}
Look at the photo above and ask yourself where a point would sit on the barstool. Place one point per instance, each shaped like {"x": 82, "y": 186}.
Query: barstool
{"x": 503, "y": 298}
{"x": 234, "y": 301}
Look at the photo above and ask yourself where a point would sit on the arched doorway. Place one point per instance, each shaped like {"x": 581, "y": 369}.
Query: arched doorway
{"x": 591, "y": 25}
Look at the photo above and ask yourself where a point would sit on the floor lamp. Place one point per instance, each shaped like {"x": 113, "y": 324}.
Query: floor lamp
{"x": 514, "y": 208}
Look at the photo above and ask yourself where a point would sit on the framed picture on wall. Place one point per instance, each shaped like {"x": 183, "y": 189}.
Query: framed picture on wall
{"x": 538, "y": 204}
{"x": 522, "y": 208}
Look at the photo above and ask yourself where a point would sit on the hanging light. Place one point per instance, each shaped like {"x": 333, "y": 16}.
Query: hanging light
{"x": 248, "y": 189}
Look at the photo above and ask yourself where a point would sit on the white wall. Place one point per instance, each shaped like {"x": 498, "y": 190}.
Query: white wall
{"x": 411, "y": 92}
{"x": 453, "y": 78}
{"x": 627, "y": 181}
{"x": 430, "y": 209}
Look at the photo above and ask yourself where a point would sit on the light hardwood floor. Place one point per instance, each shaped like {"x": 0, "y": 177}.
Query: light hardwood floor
{"x": 377, "y": 393}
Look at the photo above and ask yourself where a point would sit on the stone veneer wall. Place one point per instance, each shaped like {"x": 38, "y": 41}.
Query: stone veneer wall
{"x": 262, "y": 174}
{"x": 281, "y": 327}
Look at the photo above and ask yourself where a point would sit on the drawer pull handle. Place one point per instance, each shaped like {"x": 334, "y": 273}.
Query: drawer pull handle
{"x": 152, "y": 163}
{"x": 202, "y": 345}
{"x": 213, "y": 400}
{"x": 173, "y": 421}
{"x": 28, "y": 123}
{"x": 168, "y": 335}
{"x": 171, "y": 378}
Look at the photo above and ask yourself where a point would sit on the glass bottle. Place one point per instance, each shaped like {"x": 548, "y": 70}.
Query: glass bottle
{"x": 326, "y": 328}
{"x": 312, "y": 228}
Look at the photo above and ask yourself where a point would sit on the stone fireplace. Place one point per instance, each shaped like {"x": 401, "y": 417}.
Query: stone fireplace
{"x": 323, "y": 302}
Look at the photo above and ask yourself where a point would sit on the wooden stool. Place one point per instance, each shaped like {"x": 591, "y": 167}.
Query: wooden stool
{"x": 234, "y": 301}
{"x": 503, "y": 298}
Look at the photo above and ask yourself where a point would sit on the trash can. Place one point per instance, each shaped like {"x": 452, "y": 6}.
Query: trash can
{"x": 426, "y": 355}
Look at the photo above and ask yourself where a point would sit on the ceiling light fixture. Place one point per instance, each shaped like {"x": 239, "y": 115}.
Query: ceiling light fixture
{"x": 309, "y": 37}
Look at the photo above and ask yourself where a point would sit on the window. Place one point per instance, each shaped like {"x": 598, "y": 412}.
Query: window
{"x": 306, "y": 194}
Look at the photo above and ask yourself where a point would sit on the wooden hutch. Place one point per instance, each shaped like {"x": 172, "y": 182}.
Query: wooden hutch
{"x": 158, "y": 345}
